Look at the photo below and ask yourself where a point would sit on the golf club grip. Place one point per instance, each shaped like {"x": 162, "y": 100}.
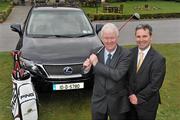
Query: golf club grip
{"x": 96, "y": 53}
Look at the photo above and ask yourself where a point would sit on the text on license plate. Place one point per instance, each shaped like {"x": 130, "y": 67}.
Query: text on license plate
{"x": 68, "y": 86}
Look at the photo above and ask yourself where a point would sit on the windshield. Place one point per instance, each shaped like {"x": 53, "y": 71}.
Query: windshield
{"x": 58, "y": 23}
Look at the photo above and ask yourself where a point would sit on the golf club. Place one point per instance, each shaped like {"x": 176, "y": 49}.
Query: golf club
{"x": 135, "y": 16}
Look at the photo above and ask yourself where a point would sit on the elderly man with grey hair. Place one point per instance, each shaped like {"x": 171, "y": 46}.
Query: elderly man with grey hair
{"x": 110, "y": 66}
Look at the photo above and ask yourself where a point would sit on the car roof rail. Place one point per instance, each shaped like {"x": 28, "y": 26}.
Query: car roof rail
{"x": 56, "y": 3}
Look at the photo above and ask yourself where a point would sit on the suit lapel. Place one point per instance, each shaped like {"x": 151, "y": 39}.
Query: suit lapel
{"x": 135, "y": 57}
{"x": 116, "y": 57}
{"x": 101, "y": 60}
{"x": 101, "y": 56}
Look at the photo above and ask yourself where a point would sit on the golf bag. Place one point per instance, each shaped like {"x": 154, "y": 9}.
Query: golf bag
{"x": 24, "y": 103}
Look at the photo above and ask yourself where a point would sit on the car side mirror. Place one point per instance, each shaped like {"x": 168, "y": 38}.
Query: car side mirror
{"x": 17, "y": 28}
{"x": 98, "y": 27}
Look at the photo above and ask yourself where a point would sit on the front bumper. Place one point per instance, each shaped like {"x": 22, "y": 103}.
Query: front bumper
{"x": 48, "y": 76}
{"x": 46, "y": 84}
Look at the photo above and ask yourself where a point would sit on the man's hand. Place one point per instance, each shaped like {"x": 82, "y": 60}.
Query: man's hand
{"x": 133, "y": 99}
{"x": 93, "y": 58}
{"x": 87, "y": 65}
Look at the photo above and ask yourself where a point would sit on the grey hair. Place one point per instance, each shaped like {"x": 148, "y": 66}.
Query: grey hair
{"x": 110, "y": 26}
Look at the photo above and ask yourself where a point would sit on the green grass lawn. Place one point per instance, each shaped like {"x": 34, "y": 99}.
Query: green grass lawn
{"x": 4, "y": 5}
{"x": 75, "y": 105}
{"x": 156, "y": 7}
{"x": 129, "y": 7}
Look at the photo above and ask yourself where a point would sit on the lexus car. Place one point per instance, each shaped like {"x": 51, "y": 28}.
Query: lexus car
{"x": 54, "y": 42}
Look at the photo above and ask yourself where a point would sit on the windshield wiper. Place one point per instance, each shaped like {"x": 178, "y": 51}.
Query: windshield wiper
{"x": 62, "y": 36}
{"x": 47, "y": 36}
{"x": 84, "y": 35}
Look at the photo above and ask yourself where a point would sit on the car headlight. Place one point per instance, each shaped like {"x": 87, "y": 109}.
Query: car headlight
{"x": 29, "y": 65}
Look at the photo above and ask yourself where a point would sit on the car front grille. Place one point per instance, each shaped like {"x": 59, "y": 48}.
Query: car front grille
{"x": 59, "y": 69}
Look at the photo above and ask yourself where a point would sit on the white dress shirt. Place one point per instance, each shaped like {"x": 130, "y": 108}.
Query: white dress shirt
{"x": 106, "y": 54}
{"x": 144, "y": 53}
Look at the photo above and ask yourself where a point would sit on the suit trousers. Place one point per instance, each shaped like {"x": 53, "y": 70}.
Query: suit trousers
{"x": 141, "y": 114}
{"x": 104, "y": 116}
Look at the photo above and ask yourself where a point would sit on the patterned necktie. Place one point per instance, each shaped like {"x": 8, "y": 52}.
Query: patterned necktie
{"x": 141, "y": 54}
{"x": 108, "y": 59}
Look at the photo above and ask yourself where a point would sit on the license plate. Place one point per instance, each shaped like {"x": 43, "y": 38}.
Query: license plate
{"x": 68, "y": 86}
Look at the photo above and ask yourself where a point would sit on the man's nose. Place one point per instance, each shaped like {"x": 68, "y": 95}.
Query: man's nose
{"x": 108, "y": 41}
{"x": 140, "y": 38}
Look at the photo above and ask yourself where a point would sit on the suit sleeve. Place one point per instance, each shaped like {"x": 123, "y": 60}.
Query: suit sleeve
{"x": 114, "y": 73}
{"x": 157, "y": 75}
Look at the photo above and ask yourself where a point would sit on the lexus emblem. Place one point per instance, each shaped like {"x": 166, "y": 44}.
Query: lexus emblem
{"x": 68, "y": 70}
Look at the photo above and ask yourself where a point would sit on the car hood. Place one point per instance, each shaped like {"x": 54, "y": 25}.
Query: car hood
{"x": 59, "y": 50}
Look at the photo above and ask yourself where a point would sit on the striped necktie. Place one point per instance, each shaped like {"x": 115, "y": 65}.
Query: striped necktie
{"x": 108, "y": 59}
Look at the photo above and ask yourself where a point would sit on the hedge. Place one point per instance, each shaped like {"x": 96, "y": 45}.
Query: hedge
{"x": 5, "y": 13}
{"x": 111, "y": 16}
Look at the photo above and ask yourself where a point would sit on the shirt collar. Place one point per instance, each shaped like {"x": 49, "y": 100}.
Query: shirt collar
{"x": 107, "y": 52}
{"x": 144, "y": 51}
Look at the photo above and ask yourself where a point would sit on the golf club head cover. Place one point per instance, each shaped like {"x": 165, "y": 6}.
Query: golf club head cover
{"x": 18, "y": 71}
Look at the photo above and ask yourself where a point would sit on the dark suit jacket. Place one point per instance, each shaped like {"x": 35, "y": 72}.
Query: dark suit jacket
{"x": 148, "y": 80}
{"x": 110, "y": 84}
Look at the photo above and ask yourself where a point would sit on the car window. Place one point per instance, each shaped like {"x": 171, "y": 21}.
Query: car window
{"x": 58, "y": 22}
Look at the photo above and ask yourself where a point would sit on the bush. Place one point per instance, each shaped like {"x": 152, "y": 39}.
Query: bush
{"x": 4, "y": 13}
{"x": 113, "y": 16}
